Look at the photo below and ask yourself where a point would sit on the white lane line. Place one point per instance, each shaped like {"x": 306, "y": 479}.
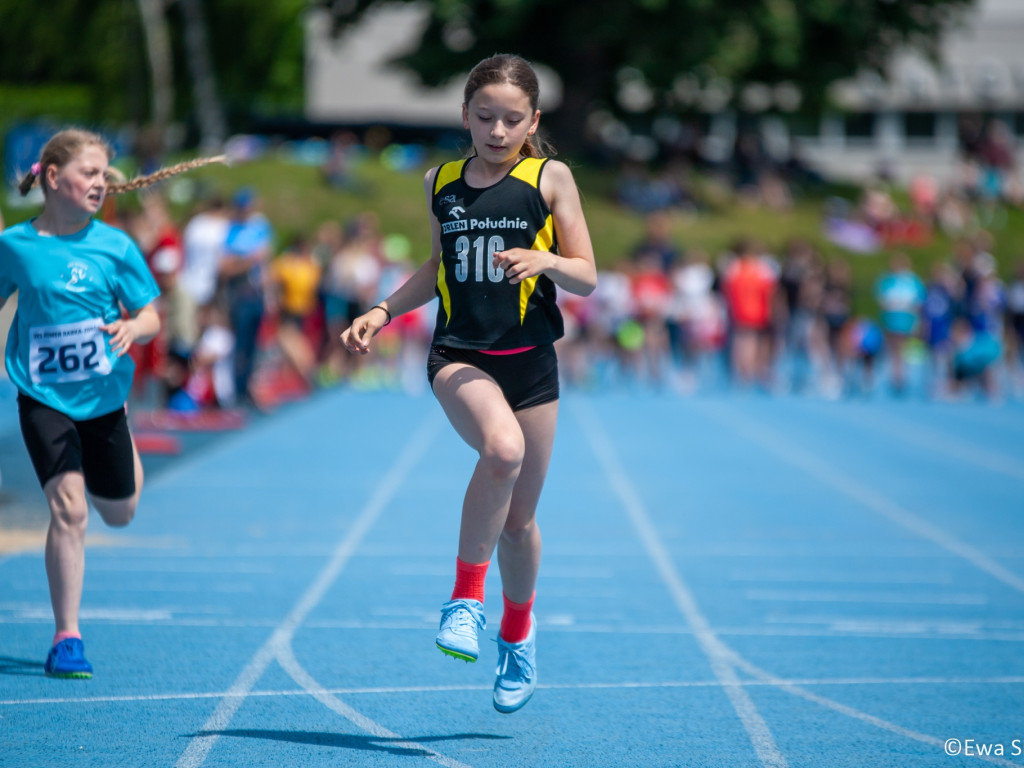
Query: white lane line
{"x": 991, "y": 624}
{"x": 286, "y": 658}
{"x": 827, "y": 628}
{"x": 936, "y": 441}
{"x": 112, "y": 615}
{"x": 199, "y": 747}
{"x": 872, "y": 598}
{"x": 860, "y": 579}
{"x": 784, "y": 449}
{"x": 771, "y": 682}
{"x": 717, "y": 654}
{"x": 109, "y": 566}
{"x": 886, "y": 725}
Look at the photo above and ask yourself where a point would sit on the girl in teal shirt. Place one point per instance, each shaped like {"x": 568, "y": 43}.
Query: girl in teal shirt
{"x": 76, "y": 278}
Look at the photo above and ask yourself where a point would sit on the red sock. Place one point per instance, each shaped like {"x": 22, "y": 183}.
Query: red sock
{"x": 65, "y": 635}
{"x": 469, "y": 580}
{"x": 515, "y": 621}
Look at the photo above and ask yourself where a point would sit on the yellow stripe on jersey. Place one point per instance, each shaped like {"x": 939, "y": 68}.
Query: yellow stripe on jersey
{"x": 525, "y": 291}
{"x": 446, "y": 299}
{"x": 448, "y": 173}
{"x": 544, "y": 242}
{"x": 546, "y": 237}
{"x": 528, "y": 170}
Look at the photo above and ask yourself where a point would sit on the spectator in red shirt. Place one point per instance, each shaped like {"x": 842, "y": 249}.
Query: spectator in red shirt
{"x": 749, "y": 289}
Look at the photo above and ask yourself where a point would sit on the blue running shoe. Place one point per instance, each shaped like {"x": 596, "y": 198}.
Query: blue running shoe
{"x": 460, "y": 621}
{"x": 67, "y": 659}
{"x": 517, "y": 672}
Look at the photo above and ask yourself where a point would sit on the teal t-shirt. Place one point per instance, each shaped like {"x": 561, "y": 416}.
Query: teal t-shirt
{"x": 900, "y": 295}
{"x": 67, "y": 287}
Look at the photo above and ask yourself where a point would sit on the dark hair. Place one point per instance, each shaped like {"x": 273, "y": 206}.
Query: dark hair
{"x": 508, "y": 68}
{"x": 62, "y": 148}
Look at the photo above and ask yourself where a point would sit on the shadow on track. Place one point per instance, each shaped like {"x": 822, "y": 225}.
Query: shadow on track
{"x": 347, "y": 740}
{"x": 11, "y": 666}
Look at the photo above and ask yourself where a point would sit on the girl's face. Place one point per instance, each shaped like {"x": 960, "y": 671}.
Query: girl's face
{"x": 499, "y": 118}
{"x": 81, "y": 184}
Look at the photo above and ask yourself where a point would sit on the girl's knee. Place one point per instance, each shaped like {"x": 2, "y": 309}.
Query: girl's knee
{"x": 69, "y": 513}
{"x": 69, "y": 508}
{"x": 503, "y": 454}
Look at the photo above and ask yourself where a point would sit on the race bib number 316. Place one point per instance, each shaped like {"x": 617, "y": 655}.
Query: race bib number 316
{"x": 68, "y": 352}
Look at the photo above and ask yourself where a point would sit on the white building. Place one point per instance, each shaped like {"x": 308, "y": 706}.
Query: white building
{"x": 906, "y": 122}
{"x": 909, "y": 120}
{"x": 348, "y": 80}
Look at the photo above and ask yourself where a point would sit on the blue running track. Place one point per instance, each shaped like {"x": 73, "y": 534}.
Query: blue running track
{"x": 727, "y": 581}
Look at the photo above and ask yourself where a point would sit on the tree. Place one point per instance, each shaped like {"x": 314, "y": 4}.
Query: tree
{"x": 210, "y": 111}
{"x": 150, "y": 61}
{"x": 660, "y": 46}
{"x": 257, "y": 54}
{"x": 161, "y": 65}
{"x": 75, "y": 48}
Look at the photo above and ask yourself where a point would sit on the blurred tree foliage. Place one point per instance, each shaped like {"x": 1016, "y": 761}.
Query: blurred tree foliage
{"x": 83, "y": 50}
{"x": 258, "y": 53}
{"x": 667, "y": 46}
{"x": 95, "y": 52}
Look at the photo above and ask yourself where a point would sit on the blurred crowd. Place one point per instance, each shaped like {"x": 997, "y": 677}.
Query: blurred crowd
{"x": 781, "y": 316}
{"x": 246, "y": 324}
{"x": 984, "y": 187}
{"x": 788, "y": 322}
{"x": 249, "y": 321}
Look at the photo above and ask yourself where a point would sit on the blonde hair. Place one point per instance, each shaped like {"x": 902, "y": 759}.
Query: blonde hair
{"x": 62, "y": 148}
{"x": 119, "y": 188}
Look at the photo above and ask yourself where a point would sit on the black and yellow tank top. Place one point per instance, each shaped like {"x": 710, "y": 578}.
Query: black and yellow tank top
{"x": 477, "y": 307}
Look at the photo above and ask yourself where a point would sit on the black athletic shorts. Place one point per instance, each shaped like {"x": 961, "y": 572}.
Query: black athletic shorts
{"x": 99, "y": 448}
{"x": 526, "y": 378}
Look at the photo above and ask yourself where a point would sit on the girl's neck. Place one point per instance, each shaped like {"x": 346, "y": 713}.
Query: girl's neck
{"x": 50, "y": 222}
{"x": 487, "y": 174}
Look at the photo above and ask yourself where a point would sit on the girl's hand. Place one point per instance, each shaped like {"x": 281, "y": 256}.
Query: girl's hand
{"x": 356, "y": 337}
{"x": 123, "y": 334}
{"x": 522, "y": 263}
{"x": 141, "y": 328}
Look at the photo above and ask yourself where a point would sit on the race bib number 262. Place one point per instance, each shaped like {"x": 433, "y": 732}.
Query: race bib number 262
{"x": 68, "y": 352}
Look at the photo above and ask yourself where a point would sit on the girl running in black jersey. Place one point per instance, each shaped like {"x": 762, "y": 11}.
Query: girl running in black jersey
{"x": 507, "y": 227}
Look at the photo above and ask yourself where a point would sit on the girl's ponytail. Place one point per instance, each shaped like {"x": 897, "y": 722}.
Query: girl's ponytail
{"x": 119, "y": 188}
{"x": 63, "y": 146}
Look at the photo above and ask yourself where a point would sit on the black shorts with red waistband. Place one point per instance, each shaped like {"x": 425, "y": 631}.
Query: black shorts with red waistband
{"x": 526, "y": 378}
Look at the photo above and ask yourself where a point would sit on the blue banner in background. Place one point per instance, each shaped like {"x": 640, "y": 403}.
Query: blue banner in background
{"x": 22, "y": 145}
{"x": 24, "y": 142}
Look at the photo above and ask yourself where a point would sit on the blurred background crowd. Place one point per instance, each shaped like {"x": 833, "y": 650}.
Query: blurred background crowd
{"x": 252, "y": 316}
{"x": 827, "y": 203}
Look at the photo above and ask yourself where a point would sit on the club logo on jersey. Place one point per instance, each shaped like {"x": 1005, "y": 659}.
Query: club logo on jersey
{"x": 455, "y": 212}
{"x": 77, "y": 282}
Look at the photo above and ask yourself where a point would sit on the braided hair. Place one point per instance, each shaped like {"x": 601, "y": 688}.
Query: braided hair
{"x": 139, "y": 182}
{"x": 63, "y": 147}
